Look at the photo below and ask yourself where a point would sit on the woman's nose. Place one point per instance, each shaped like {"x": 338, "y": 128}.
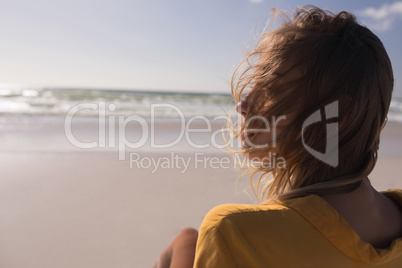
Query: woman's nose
{"x": 241, "y": 107}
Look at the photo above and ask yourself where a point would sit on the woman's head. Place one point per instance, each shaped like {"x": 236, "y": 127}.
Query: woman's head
{"x": 312, "y": 62}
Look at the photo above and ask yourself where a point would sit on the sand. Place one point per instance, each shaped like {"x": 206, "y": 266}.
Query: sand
{"x": 88, "y": 209}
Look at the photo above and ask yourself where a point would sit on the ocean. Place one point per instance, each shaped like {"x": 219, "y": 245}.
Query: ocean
{"x": 90, "y": 120}
{"x": 59, "y": 101}
{"x": 71, "y": 119}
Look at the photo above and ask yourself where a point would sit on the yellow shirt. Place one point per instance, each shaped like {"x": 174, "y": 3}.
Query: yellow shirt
{"x": 302, "y": 232}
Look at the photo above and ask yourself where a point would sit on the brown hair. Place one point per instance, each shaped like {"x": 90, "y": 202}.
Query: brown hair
{"x": 336, "y": 59}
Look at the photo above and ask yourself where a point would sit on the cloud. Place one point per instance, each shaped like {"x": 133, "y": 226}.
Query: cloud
{"x": 383, "y": 18}
{"x": 256, "y": 1}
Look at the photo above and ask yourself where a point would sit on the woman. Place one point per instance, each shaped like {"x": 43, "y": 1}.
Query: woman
{"x": 323, "y": 84}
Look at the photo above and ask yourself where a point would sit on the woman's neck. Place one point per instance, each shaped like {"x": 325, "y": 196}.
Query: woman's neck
{"x": 366, "y": 205}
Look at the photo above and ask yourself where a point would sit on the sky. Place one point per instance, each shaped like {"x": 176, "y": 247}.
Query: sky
{"x": 179, "y": 45}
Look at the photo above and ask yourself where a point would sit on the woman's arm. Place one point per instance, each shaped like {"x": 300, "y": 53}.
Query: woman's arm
{"x": 180, "y": 253}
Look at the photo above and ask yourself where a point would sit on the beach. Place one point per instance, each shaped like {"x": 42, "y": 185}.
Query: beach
{"x": 64, "y": 206}
{"x": 120, "y": 122}
{"x": 92, "y": 210}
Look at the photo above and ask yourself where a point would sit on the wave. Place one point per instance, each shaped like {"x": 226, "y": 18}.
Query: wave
{"x": 158, "y": 104}
{"x": 59, "y": 101}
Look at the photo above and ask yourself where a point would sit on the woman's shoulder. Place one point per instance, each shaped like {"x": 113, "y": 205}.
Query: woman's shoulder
{"x": 245, "y": 213}
{"x": 394, "y": 194}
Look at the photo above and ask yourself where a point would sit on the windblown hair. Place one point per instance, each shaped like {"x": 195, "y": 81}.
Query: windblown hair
{"x": 337, "y": 59}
